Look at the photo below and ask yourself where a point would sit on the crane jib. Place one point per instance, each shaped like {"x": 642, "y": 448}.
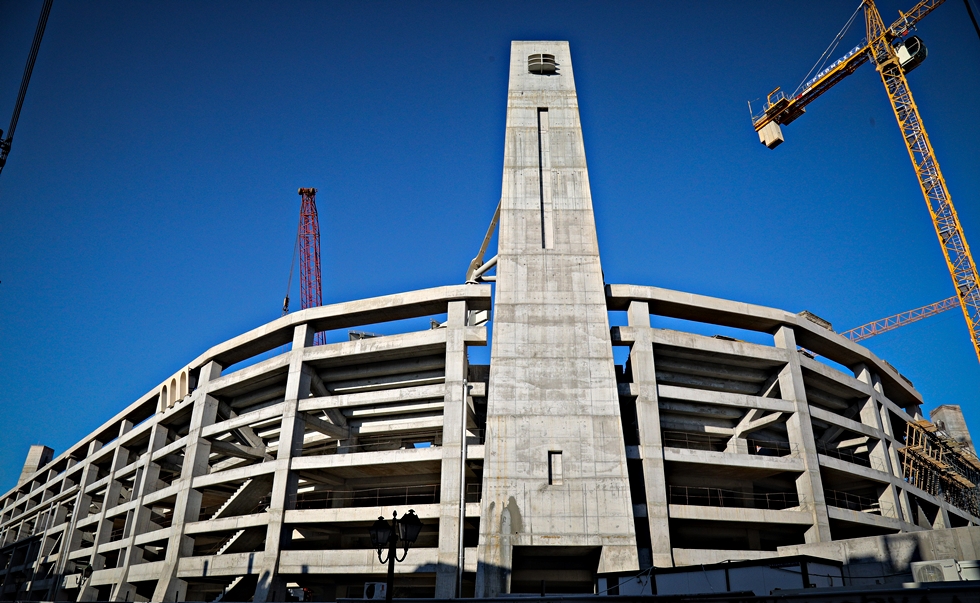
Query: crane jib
{"x": 814, "y": 80}
{"x": 893, "y": 61}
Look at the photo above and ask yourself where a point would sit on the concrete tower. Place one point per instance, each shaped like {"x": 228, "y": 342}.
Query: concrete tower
{"x": 556, "y": 489}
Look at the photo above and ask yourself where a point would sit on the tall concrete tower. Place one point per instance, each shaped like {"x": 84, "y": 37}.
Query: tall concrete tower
{"x": 556, "y": 490}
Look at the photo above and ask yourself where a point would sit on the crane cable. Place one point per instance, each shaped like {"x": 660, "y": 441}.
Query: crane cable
{"x": 969, "y": 9}
{"x": 292, "y": 265}
{"x": 38, "y": 34}
{"x": 833, "y": 45}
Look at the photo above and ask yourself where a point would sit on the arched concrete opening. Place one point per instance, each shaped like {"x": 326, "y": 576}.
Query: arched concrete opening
{"x": 182, "y": 392}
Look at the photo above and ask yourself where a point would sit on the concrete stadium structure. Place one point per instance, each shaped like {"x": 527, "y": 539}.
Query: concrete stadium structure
{"x": 259, "y": 467}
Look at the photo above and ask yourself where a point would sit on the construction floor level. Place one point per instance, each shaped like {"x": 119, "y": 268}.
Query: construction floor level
{"x": 239, "y": 479}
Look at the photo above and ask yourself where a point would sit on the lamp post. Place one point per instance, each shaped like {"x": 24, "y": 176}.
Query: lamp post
{"x": 84, "y": 575}
{"x": 384, "y": 534}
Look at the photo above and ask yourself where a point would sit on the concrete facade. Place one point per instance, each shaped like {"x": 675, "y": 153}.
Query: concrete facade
{"x": 555, "y": 469}
{"x": 259, "y": 467}
{"x": 949, "y": 418}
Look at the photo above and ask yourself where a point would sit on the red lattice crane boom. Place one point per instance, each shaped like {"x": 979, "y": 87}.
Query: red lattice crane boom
{"x": 310, "y": 288}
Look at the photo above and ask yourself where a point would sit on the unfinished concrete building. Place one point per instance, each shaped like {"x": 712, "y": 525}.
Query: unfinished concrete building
{"x": 259, "y": 467}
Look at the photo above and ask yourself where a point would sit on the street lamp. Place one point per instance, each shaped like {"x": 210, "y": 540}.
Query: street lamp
{"x": 384, "y": 534}
{"x": 86, "y": 573}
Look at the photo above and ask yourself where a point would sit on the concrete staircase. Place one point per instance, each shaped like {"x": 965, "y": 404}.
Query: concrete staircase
{"x": 244, "y": 500}
{"x": 227, "y": 595}
{"x": 231, "y": 541}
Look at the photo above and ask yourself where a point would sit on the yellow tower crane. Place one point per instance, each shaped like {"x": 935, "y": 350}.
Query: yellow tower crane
{"x": 889, "y": 323}
{"x": 893, "y": 55}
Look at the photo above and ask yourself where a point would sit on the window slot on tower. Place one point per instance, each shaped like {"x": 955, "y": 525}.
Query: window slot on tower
{"x": 554, "y": 468}
{"x": 544, "y": 179}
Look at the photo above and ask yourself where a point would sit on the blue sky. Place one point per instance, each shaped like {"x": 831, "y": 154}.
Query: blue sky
{"x": 149, "y": 206}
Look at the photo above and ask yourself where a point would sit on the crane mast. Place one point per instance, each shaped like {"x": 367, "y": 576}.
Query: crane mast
{"x": 880, "y": 51}
{"x": 959, "y": 261}
{"x": 310, "y": 288}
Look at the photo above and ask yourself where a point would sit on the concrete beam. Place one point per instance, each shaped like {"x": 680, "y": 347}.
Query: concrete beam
{"x": 390, "y": 396}
{"x": 783, "y": 516}
{"x": 260, "y": 416}
{"x": 868, "y": 519}
{"x": 238, "y": 473}
{"x": 413, "y": 304}
{"x": 674, "y": 392}
{"x": 857, "y": 470}
{"x": 230, "y": 384}
{"x": 227, "y": 524}
{"x": 377, "y": 349}
{"x": 357, "y": 561}
{"x": 835, "y": 419}
{"x": 355, "y": 515}
{"x": 760, "y": 423}
{"x": 713, "y": 310}
{"x": 328, "y": 429}
{"x": 727, "y": 459}
{"x": 239, "y": 451}
{"x": 364, "y": 459}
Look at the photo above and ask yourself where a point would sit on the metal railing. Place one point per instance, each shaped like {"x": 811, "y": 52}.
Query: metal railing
{"x": 854, "y": 502}
{"x": 718, "y": 497}
{"x": 433, "y": 438}
{"x": 368, "y": 497}
{"x": 865, "y": 460}
{"x": 713, "y": 443}
{"x": 375, "y": 443}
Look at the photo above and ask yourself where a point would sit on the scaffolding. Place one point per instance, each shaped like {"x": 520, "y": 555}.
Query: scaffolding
{"x": 943, "y": 467}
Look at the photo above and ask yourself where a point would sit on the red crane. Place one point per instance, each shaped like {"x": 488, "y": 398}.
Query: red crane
{"x": 308, "y": 242}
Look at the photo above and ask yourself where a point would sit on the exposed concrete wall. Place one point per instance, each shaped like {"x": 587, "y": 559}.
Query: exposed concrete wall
{"x": 553, "y": 392}
{"x": 886, "y": 559}
{"x": 37, "y": 457}
{"x": 950, "y": 418}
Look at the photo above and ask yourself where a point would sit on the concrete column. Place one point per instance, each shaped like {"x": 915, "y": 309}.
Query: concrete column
{"x": 120, "y": 458}
{"x": 809, "y": 486}
{"x": 138, "y": 519}
{"x": 891, "y": 452}
{"x": 651, "y": 444}
{"x": 188, "y": 504}
{"x": 453, "y": 438}
{"x": 73, "y": 536}
{"x": 880, "y": 459}
{"x": 53, "y": 518}
{"x": 270, "y": 586}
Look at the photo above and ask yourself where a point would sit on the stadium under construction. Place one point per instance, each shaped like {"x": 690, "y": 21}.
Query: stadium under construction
{"x": 258, "y": 469}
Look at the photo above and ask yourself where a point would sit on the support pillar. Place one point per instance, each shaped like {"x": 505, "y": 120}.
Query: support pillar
{"x": 270, "y": 586}
{"x": 799, "y": 428}
{"x": 188, "y": 504}
{"x": 453, "y": 440}
{"x": 644, "y": 372}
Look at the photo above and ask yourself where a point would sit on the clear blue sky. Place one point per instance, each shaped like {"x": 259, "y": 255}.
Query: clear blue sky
{"x": 149, "y": 206}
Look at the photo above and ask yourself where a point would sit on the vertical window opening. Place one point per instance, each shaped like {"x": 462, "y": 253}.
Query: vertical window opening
{"x": 544, "y": 178}
{"x": 554, "y": 468}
